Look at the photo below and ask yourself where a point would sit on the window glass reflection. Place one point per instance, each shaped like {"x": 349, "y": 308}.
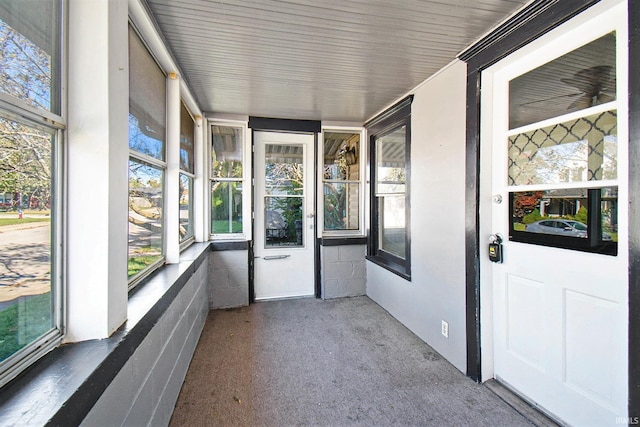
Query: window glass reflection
{"x": 147, "y": 101}
{"x": 284, "y": 169}
{"x": 341, "y": 176}
{"x": 581, "y": 150}
{"x": 582, "y": 78}
{"x": 29, "y": 58}
{"x": 390, "y": 164}
{"x": 565, "y": 212}
{"x": 186, "y": 207}
{"x": 341, "y": 206}
{"x": 145, "y": 216}
{"x": 226, "y": 152}
{"x": 392, "y": 225}
{"x": 26, "y": 304}
{"x": 186, "y": 140}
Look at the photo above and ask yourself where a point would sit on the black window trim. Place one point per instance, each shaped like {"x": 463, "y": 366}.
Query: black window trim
{"x": 395, "y": 117}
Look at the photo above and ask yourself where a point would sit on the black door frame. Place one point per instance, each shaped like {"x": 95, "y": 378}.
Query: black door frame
{"x": 530, "y": 23}
{"x": 257, "y": 124}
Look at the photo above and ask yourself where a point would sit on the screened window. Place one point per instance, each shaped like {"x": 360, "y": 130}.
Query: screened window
{"x": 227, "y": 180}
{"x": 30, "y": 183}
{"x": 147, "y": 136}
{"x": 390, "y": 139}
{"x": 341, "y": 183}
{"x": 187, "y": 174}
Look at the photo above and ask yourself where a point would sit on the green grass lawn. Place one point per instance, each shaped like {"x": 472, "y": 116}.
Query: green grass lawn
{"x": 222, "y": 226}
{"x": 139, "y": 263}
{"x": 23, "y": 322}
{"x": 12, "y": 221}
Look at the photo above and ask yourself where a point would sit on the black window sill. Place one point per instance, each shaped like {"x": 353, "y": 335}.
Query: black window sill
{"x": 342, "y": 241}
{"x": 62, "y": 387}
{"x": 397, "y": 269}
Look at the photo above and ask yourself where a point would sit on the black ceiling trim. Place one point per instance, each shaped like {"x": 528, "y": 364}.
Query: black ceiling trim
{"x": 395, "y": 108}
{"x": 398, "y": 111}
{"x": 536, "y": 19}
{"x": 287, "y": 125}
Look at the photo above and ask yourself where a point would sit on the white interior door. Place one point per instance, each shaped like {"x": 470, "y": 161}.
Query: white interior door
{"x": 284, "y": 216}
{"x": 555, "y": 126}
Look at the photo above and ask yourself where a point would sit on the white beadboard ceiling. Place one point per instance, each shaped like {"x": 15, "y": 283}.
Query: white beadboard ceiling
{"x": 339, "y": 60}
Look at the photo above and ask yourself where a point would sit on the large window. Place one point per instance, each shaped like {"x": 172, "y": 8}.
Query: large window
{"x": 341, "y": 183}
{"x": 187, "y": 174}
{"x": 30, "y": 183}
{"x": 389, "y": 238}
{"x": 227, "y": 180}
{"x": 147, "y": 160}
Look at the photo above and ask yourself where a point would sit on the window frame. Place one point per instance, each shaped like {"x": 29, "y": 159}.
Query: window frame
{"x": 360, "y": 232}
{"x": 153, "y": 162}
{"x": 18, "y": 110}
{"x": 394, "y": 118}
{"x": 247, "y": 165}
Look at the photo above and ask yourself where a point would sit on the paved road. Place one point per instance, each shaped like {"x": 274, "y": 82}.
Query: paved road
{"x": 25, "y": 260}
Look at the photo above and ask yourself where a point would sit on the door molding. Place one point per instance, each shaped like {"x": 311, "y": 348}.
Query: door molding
{"x": 257, "y": 124}
{"x": 634, "y": 209}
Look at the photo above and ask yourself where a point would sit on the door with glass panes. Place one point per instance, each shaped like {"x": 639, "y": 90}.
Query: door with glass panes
{"x": 284, "y": 215}
{"x": 554, "y": 138}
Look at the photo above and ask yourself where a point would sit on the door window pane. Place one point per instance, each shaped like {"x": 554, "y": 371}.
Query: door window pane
{"x": 145, "y": 216}
{"x": 226, "y": 152}
{"x": 147, "y": 101}
{"x": 26, "y": 268}
{"x": 284, "y": 169}
{"x": 574, "y": 218}
{"x": 580, "y": 79}
{"x": 283, "y": 221}
{"x": 30, "y": 53}
{"x": 584, "y": 149}
{"x": 226, "y": 207}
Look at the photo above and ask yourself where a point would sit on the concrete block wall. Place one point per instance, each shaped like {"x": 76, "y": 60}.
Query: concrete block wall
{"x": 343, "y": 271}
{"x": 145, "y": 391}
{"x": 229, "y": 279}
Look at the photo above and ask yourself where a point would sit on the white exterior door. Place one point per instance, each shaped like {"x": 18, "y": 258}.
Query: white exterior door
{"x": 284, "y": 216}
{"x": 554, "y": 151}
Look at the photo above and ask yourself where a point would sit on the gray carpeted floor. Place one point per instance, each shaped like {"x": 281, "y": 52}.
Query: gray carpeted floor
{"x": 337, "y": 362}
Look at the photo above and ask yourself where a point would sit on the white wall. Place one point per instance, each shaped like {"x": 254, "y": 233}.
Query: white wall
{"x": 437, "y": 288}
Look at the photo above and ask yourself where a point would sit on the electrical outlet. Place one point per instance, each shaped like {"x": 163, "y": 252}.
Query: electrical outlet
{"x": 445, "y": 329}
